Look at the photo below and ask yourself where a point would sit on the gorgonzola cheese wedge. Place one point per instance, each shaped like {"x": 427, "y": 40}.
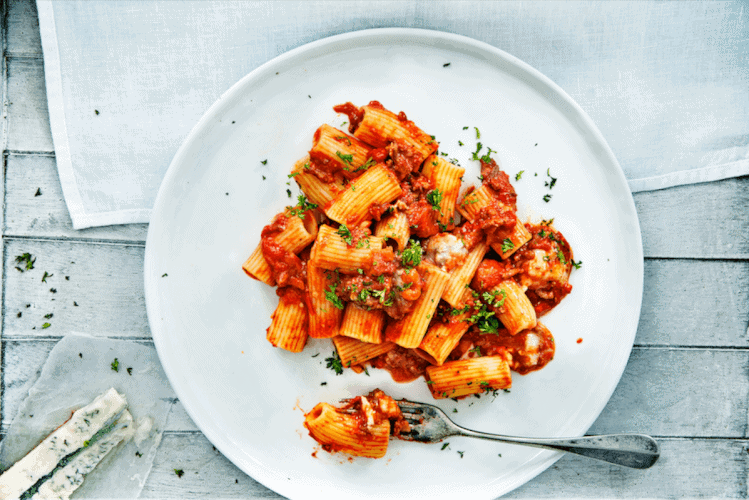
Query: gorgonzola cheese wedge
{"x": 66, "y": 439}
{"x": 67, "y": 479}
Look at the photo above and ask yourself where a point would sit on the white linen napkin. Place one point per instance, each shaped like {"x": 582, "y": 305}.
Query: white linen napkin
{"x": 667, "y": 83}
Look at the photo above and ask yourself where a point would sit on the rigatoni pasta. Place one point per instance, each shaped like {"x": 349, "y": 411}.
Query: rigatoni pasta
{"x": 383, "y": 256}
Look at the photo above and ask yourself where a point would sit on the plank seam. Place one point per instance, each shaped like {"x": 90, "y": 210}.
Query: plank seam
{"x": 101, "y": 241}
{"x": 19, "y": 152}
{"x": 25, "y": 56}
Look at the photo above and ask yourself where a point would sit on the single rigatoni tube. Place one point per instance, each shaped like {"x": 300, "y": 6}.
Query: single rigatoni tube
{"x": 463, "y": 274}
{"x": 410, "y": 330}
{"x": 394, "y": 226}
{"x": 379, "y": 127}
{"x": 318, "y": 192}
{"x": 288, "y": 327}
{"x": 360, "y": 324}
{"x": 324, "y": 315}
{"x": 375, "y": 186}
{"x": 333, "y": 146}
{"x": 446, "y": 178}
{"x": 294, "y": 238}
{"x": 331, "y": 252}
{"x": 518, "y": 312}
{"x": 441, "y": 338}
{"x": 474, "y": 201}
{"x": 468, "y": 376}
{"x": 338, "y": 431}
{"x": 518, "y": 237}
{"x": 354, "y": 352}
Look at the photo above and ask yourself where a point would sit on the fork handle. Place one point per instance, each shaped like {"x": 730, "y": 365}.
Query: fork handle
{"x": 637, "y": 451}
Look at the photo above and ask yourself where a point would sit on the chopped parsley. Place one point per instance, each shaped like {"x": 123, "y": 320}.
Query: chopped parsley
{"x": 552, "y": 180}
{"x": 301, "y": 207}
{"x": 347, "y": 159}
{"x": 461, "y": 453}
{"x": 411, "y": 256}
{"x": 334, "y": 363}
{"x": 333, "y": 298}
{"x": 547, "y": 198}
{"x": 519, "y": 175}
{"x": 465, "y": 128}
{"x": 560, "y": 256}
{"x": 345, "y": 234}
{"x": 460, "y": 143}
{"x": 369, "y": 163}
{"x": 46, "y": 275}
{"x": 130, "y": 370}
{"x": 179, "y": 472}
{"x": 507, "y": 245}
{"x": 293, "y": 174}
{"x": 264, "y": 162}
{"x": 577, "y": 264}
{"x": 288, "y": 192}
{"x": 476, "y": 350}
{"x": 27, "y": 259}
{"x": 478, "y": 134}
{"x": 45, "y": 326}
{"x": 444, "y": 446}
{"x": 446, "y": 65}
{"x": 478, "y": 148}
{"x": 434, "y": 198}
{"x": 116, "y": 365}
{"x": 47, "y": 316}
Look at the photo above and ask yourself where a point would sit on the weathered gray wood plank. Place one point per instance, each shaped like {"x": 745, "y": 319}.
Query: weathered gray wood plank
{"x": 29, "y": 214}
{"x": 23, "y": 28}
{"x": 28, "y": 115}
{"x": 680, "y": 392}
{"x": 695, "y": 303}
{"x": 687, "y": 469}
{"x": 658, "y": 388}
{"x": 703, "y": 221}
{"x": 104, "y": 280}
{"x": 24, "y": 359}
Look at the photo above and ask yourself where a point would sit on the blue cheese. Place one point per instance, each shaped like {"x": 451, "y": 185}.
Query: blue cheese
{"x": 65, "y": 480}
{"x": 71, "y": 436}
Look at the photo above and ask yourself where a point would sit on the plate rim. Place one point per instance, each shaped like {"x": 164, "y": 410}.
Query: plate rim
{"x": 256, "y": 470}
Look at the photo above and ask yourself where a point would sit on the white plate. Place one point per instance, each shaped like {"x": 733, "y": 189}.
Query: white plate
{"x": 208, "y": 318}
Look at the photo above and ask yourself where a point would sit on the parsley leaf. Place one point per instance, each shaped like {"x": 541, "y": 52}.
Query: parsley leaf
{"x": 26, "y": 259}
{"x": 507, "y": 245}
{"x": 560, "y": 256}
{"x": 577, "y": 264}
{"x": 478, "y": 134}
{"x": 547, "y": 198}
{"x": 301, "y": 207}
{"x": 435, "y": 198}
{"x": 334, "y": 363}
{"x": 552, "y": 180}
{"x": 116, "y": 365}
{"x": 345, "y": 234}
{"x": 411, "y": 256}
{"x": 519, "y": 175}
{"x": 347, "y": 159}
{"x": 333, "y": 298}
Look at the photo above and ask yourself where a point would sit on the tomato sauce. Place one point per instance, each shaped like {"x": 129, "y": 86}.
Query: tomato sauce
{"x": 287, "y": 269}
{"x": 527, "y": 355}
{"x": 355, "y": 115}
{"x": 403, "y": 364}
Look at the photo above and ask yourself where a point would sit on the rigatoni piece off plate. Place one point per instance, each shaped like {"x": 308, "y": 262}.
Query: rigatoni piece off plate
{"x": 208, "y": 318}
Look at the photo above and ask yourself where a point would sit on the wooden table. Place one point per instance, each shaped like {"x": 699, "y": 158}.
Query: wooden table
{"x": 687, "y": 381}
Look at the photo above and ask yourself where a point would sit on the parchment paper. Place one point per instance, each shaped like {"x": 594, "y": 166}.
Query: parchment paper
{"x": 78, "y": 369}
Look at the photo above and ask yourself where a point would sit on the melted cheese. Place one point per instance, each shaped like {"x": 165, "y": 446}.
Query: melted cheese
{"x": 541, "y": 269}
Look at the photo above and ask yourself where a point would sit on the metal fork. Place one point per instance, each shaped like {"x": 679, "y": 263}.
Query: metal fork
{"x": 430, "y": 424}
